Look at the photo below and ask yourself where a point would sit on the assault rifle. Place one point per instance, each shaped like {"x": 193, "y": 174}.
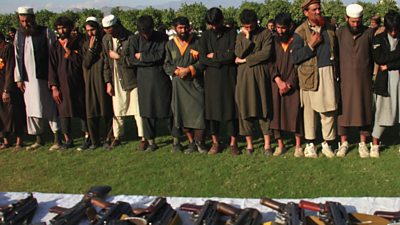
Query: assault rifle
{"x": 204, "y": 215}
{"x": 158, "y": 213}
{"x": 289, "y": 213}
{"x": 394, "y": 217}
{"x": 109, "y": 212}
{"x": 247, "y": 216}
{"x": 72, "y": 216}
{"x": 332, "y": 213}
{"x": 20, "y": 212}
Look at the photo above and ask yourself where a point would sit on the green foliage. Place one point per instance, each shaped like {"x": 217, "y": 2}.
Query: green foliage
{"x": 195, "y": 12}
{"x": 168, "y": 15}
{"x": 231, "y": 13}
{"x": 335, "y": 10}
{"x": 128, "y": 17}
{"x": 7, "y": 21}
{"x": 163, "y": 173}
{"x": 383, "y": 6}
{"x": 273, "y": 7}
{"x": 369, "y": 11}
{"x": 257, "y": 7}
{"x": 155, "y": 13}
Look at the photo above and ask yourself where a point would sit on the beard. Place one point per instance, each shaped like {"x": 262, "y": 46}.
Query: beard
{"x": 285, "y": 37}
{"x": 184, "y": 36}
{"x": 318, "y": 20}
{"x": 29, "y": 30}
{"x": 354, "y": 30}
{"x": 64, "y": 36}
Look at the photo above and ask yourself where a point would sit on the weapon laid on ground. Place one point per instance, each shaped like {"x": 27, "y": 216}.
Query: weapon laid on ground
{"x": 204, "y": 215}
{"x": 247, "y": 216}
{"x": 394, "y": 217}
{"x": 20, "y": 212}
{"x": 72, "y": 216}
{"x": 289, "y": 213}
{"x": 109, "y": 212}
{"x": 334, "y": 213}
{"x": 158, "y": 213}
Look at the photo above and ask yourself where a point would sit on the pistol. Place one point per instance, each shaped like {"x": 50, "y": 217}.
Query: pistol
{"x": 158, "y": 213}
{"x": 109, "y": 212}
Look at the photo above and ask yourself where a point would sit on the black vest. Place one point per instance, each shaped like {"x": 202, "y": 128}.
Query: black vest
{"x": 40, "y": 51}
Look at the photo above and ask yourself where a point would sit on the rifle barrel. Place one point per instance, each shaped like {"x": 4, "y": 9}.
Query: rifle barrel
{"x": 388, "y": 215}
{"x": 316, "y": 207}
{"x": 227, "y": 209}
{"x": 277, "y": 206}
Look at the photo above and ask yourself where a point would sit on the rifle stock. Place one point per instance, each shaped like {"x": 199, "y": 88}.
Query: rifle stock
{"x": 388, "y": 215}
{"x": 192, "y": 208}
{"x": 58, "y": 210}
{"x": 73, "y": 215}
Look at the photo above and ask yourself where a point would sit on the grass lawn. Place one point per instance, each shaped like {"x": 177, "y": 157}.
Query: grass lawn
{"x": 164, "y": 173}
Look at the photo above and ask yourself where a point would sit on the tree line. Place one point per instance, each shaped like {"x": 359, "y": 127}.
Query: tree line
{"x": 196, "y": 13}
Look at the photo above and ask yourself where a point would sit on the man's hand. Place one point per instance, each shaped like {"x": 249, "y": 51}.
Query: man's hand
{"x": 245, "y": 32}
{"x": 282, "y": 85}
{"x": 6, "y": 97}
{"x": 113, "y": 54}
{"x": 21, "y": 86}
{"x": 138, "y": 55}
{"x": 239, "y": 60}
{"x": 383, "y": 67}
{"x": 110, "y": 89}
{"x": 56, "y": 94}
{"x": 65, "y": 46}
{"x": 210, "y": 55}
{"x": 315, "y": 39}
{"x": 92, "y": 41}
{"x": 182, "y": 72}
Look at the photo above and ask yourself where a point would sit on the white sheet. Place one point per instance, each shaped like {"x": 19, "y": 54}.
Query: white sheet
{"x": 47, "y": 200}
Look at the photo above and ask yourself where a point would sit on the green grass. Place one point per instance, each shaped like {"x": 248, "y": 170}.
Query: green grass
{"x": 163, "y": 173}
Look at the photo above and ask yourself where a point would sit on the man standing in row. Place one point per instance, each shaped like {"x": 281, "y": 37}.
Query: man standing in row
{"x": 314, "y": 51}
{"x": 66, "y": 79}
{"x": 253, "y": 90}
{"x": 287, "y": 115}
{"x": 217, "y": 54}
{"x": 386, "y": 52}
{"x": 181, "y": 63}
{"x": 120, "y": 78}
{"x": 12, "y": 109}
{"x": 147, "y": 54}
{"x": 31, "y": 74}
{"x": 98, "y": 102}
{"x": 356, "y": 68}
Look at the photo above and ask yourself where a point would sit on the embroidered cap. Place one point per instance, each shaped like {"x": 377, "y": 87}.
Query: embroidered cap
{"x": 25, "y": 10}
{"x": 354, "y": 11}
{"x": 91, "y": 18}
{"x": 307, "y": 3}
{"x": 109, "y": 21}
